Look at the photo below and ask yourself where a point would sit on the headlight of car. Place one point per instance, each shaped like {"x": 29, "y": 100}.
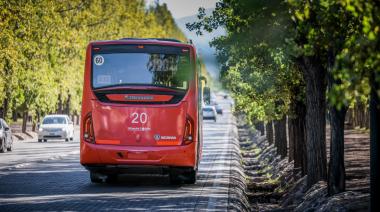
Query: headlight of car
{"x": 40, "y": 129}
{"x": 65, "y": 130}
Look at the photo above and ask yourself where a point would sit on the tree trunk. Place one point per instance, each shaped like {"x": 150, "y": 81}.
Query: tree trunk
{"x": 4, "y": 109}
{"x": 280, "y": 137}
{"x": 14, "y": 115}
{"x": 291, "y": 126}
{"x": 38, "y": 117}
{"x": 349, "y": 117}
{"x": 361, "y": 114}
{"x": 78, "y": 119}
{"x": 375, "y": 139}
{"x": 60, "y": 107}
{"x": 269, "y": 129}
{"x": 260, "y": 127}
{"x": 24, "y": 121}
{"x": 336, "y": 173}
{"x": 315, "y": 78}
{"x": 367, "y": 118}
{"x": 34, "y": 126}
{"x": 7, "y": 72}
{"x": 67, "y": 106}
{"x": 300, "y": 157}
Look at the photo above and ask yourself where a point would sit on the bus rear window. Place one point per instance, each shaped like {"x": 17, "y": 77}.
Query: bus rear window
{"x": 140, "y": 68}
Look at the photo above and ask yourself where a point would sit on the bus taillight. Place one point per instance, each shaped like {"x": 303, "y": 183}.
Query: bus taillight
{"x": 188, "y": 136}
{"x": 88, "y": 131}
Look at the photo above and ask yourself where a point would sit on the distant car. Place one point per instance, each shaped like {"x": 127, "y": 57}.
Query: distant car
{"x": 209, "y": 112}
{"x": 6, "y": 140}
{"x": 56, "y": 127}
{"x": 219, "y": 109}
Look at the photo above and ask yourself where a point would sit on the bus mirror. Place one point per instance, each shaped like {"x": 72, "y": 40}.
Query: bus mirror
{"x": 206, "y": 95}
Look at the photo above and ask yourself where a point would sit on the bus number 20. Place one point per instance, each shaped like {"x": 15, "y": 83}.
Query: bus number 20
{"x": 139, "y": 118}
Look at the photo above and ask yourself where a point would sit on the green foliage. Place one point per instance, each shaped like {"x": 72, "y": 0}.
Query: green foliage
{"x": 43, "y": 43}
{"x": 344, "y": 35}
{"x": 254, "y": 55}
{"x": 259, "y": 55}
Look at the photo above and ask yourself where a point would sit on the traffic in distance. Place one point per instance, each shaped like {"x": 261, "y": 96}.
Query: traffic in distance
{"x": 56, "y": 127}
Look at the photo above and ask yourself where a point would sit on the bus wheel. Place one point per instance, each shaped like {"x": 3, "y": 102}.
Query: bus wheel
{"x": 111, "y": 178}
{"x": 175, "y": 178}
{"x": 191, "y": 177}
{"x": 95, "y": 177}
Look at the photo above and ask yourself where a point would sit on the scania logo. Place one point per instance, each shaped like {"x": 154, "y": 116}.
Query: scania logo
{"x": 139, "y": 97}
{"x": 157, "y": 137}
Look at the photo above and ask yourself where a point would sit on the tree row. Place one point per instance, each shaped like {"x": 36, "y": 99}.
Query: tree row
{"x": 311, "y": 61}
{"x": 43, "y": 43}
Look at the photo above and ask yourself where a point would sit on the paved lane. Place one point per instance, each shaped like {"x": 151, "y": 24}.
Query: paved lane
{"x": 30, "y": 151}
{"x": 63, "y": 184}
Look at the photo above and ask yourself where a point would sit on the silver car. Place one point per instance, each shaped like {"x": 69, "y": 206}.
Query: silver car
{"x": 209, "y": 112}
{"x": 6, "y": 140}
{"x": 56, "y": 127}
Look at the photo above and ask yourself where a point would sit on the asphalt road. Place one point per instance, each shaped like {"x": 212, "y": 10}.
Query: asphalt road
{"x": 48, "y": 176}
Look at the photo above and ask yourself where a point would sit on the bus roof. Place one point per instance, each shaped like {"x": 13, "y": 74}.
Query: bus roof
{"x": 158, "y": 39}
{"x": 163, "y": 41}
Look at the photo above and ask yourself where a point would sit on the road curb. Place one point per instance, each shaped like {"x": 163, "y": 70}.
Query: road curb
{"x": 237, "y": 197}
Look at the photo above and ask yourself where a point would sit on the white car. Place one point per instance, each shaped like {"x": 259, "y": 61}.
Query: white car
{"x": 209, "y": 112}
{"x": 56, "y": 127}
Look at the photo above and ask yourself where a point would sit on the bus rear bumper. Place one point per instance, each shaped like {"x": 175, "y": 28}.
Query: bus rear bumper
{"x": 112, "y": 156}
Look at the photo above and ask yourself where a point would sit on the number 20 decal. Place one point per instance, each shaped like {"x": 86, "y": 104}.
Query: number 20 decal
{"x": 139, "y": 118}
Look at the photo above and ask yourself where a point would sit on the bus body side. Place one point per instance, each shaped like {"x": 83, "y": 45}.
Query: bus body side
{"x": 131, "y": 127}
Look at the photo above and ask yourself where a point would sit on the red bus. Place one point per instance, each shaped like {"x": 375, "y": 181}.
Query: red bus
{"x": 141, "y": 109}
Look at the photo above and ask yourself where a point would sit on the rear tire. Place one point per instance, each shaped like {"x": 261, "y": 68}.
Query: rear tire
{"x": 10, "y": 148}
{"x": 191, "y": 177}
{"x": 39, "y": 140}
{"x": 174, "y": 179}
{"x": 95, "y": 177}
{"x": 66, "y": 139}
{"x": 72, "y": 138}
{"x": 45, "y": 140}
{"x": 177, "y": 176}
{"x": 111, "y": 178}
{"x": 2, "y": 146}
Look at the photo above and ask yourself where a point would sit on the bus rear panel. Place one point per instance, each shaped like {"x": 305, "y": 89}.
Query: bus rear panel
{"x": 140, "y": 109}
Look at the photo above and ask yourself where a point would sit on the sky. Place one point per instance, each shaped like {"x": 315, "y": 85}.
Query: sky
{"x": 183, "y": 8}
